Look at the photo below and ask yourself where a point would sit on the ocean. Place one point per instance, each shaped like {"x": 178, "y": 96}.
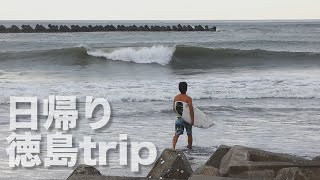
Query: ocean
{"x": 258, "y": 80}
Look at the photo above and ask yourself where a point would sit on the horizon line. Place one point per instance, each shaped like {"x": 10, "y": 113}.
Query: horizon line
{"x": 291, "y": 19}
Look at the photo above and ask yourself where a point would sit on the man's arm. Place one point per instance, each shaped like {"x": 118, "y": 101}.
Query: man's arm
{"x": 191, "y": 110}
{"x": 174, "y": 102}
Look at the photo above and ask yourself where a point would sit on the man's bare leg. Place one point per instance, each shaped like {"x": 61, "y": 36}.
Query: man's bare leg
{"x": 174, "y": 141}
{"x": 189, "y": 141}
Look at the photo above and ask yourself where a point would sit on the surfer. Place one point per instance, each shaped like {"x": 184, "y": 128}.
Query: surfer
{"x": 178, "y": 108}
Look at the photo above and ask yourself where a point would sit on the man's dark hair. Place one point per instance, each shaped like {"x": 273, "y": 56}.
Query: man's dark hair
{"x": 183, "y": 86}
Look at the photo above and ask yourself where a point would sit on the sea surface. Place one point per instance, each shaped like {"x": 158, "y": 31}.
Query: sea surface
{"x": 258, "y": 80}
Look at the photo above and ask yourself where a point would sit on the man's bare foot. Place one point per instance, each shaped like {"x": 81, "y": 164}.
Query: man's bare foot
{"x": 189, "y": 147}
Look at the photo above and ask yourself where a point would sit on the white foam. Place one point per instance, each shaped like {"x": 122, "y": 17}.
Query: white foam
{"x": 237, "y": 85}
{"x": 144, "y": 55}
{"x": 144, "y": 90}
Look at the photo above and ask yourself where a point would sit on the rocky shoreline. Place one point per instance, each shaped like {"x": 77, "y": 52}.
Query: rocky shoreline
{"x": 227, "y": 163}
{"x": 99, "y": 28}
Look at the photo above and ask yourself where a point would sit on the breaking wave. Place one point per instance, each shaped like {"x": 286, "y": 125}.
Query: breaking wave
{"x": 177, "y": 56}
{"x": 155, "y": 54}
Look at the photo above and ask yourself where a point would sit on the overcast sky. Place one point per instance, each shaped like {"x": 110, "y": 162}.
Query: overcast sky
{"x": 158, "y": 9}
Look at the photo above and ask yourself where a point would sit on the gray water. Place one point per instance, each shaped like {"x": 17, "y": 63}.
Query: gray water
{"x": 258, "y": 80}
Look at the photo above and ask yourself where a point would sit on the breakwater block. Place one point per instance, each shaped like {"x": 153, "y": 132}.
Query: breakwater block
{"x": 244, "y": 162}
{"x": 172, "y": 164}
{"x": 84, "y": 171}
{"x": 99, "y": 28}
{"x": 216, "y": 158}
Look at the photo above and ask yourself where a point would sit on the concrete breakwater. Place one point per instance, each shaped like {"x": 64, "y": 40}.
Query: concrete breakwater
{"x": 227, "y": 163}
{"x": 99, "y": 28}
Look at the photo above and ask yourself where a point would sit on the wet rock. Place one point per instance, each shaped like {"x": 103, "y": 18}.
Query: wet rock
{"x": 75, "y": 28}
{"x": 40, "y": 28}
{"x": 163, "y": 28}
{"x": 190, "y": 28}
{"x": 134, "y": 28}
{"x": 125, "y": 28}
{"x": 3, "y": 29}
{"x": 129, "y": 28}
{"x": 94, "y": 29}
{"x": 14, "y": 29}
{"x": 99, "y": 28}
{"x": 206, "y": 171}
{"x": 213, "y": 28}
{"x": 53, "y": 28}
{"x": 199, "y": 28}
{"x": 90, "y": 28}
{"x": 146, "y": 27}
{"x": 316, "y": 159}
{"x": 84, "y": 29}
{"x": 121, "y": 28}
{"x": 174, "y": 28}
{"x": 201, "y": 177}
{"x": 106, "y": 28}
{"x": 112, "y": 28}
{"x": 64, "y": 28}
{"x": 215, "y": 159}
{"x": 172, "y": 164}
{"x": 141, "y": 28}
{"x": 240, "y": 160}
{"x": 84, "y": 170}
{"x": 157, "y": 28}
{"x": 257, "y": 174}
{"x": 184, "y": 28}
{"x": 27, "y": 29}
{"x": 295, "y": 173}
{"x": 169, "y": 28}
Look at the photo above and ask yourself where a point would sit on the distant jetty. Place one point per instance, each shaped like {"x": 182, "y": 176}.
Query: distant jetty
{"x": 99, "y": 28}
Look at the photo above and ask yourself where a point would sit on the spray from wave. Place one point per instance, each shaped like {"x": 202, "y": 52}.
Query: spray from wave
{"x": 142, "y": 55}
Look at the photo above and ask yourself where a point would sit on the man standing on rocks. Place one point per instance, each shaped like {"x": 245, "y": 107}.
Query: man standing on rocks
{"x": 178, "y": 108}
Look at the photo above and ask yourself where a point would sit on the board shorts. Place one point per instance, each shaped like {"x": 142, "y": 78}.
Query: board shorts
{"x": 180, "y": 125}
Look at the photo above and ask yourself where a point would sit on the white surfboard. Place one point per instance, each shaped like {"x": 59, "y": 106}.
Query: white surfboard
{"x": 201, "y": 120}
